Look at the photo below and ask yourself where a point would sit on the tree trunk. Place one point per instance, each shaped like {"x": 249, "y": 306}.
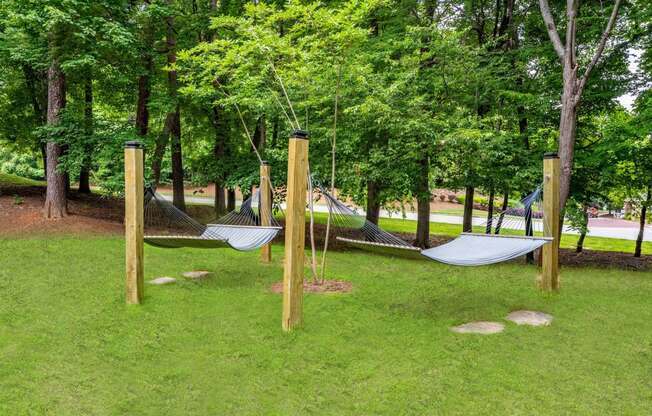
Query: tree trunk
{"x": 373, "y": 204}
{"x": 218, "y": 152}
{"x": 499, "y": 224}
{"x": 178, "y": 198}
{"x": 567, "y": 127}
{"x": 230, "y": 200}
{"x": 144, "y": 92}
{"x": 641, "y": 230}
{"x": 84, "y": 173}
{"x": 260, "y": 134}
{"x": 55, "y": 197}
{"x": 467, "y": 221}
{"x": 580, "y": 241}
{"x": 159, "y": 149}
{"x": 423, "y": 205}
{"x": 44, "y": 158}
{"x": 490, "y": 211}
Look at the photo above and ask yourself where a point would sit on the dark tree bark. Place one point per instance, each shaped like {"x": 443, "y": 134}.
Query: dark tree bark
{"x": 467, "y": 221}
{"x": 218, "y": 151}
{"x": 423, "y": 204}
{"x": 260, "y": 134}
{"x": 373, "y": 203}
{"x": 275, "y": 131}
{"x": 499, "y": 224}
{"x": 84, "y": 173}
{"x": 178, "y": 196}
{"x": 230, "y": 200}
{"x": 174, "y": 117}
{"x": 641, "y": 229}
{"x": 580, "y": 241}
{"x": 159, "y": 148}
{"x": 144, "y": 93}
{"x": 55, "y": 197}
{"x": 490, "y": 211}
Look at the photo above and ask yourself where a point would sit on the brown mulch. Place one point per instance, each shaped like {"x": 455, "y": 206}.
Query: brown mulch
{"x": 328, "y": 286}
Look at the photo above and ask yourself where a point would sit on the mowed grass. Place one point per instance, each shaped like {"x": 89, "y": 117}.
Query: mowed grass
{"x": 8, "y": 179}
{"x": 70, "y": 346}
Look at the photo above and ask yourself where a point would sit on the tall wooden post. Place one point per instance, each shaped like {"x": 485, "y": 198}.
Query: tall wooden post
{"x": 551, "y": 226}
{"x": 265, "y": 207}
{"x": 295, "y": 230}
{"x": 134, "y": 221}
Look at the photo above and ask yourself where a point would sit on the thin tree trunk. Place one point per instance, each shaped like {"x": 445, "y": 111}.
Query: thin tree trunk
{"x": 44, "y": 158}
{"x": 333, "y": 165}
{"x": 178, "y": 197}
{"x": 499, "y": 224}
{"x": 144, "y": 93}
{"x": 490, "y": 211}
{"x": 641, "y": 230}
{"x": 218, "y": 153}
{"x": 159, "y": 148}
{"x": 423, "y": 205}
{"x": 467, "y": 221}
{"x": 230, "y": 200}
{"x": 373, "y": 204}
{"x": 55, "y": 197}
{"x": 84, "y": 173}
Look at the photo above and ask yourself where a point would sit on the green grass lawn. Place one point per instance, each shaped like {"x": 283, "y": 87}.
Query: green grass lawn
{"x": 70, "y": 346}
{"x": 7, "y": 179}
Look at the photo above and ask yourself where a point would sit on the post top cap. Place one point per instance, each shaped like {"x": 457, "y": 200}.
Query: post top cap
{"x": 550, "y": 155}
{"x": 300, "y": 134}
{"x": 133, "y": 144}
{"x": 264, "y": 162}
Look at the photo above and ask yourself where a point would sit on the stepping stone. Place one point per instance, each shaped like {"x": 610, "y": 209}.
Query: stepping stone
{"x": 198, "y": 275}
{"x": 159, "y": 281}
{"x": 480, "y": 327}
{"x": 532, "y": 318}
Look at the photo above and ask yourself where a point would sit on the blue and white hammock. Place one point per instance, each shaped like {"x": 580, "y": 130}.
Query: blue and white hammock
{"x": 168, "y": 227}
{"x": 469, "y": 249}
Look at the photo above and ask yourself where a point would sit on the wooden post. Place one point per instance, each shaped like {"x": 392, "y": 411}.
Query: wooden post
{"x": 550, "y": 253}
{"x": 265, "y": 207}
{"x": 295, "y": 231}
{"x": 134, "y": 221}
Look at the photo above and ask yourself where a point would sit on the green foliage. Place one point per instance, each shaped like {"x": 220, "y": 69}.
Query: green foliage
{"x": 19, "y": 163}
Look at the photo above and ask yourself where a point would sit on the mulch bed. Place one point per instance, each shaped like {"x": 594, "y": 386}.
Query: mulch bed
{"x": 328, "y": 286}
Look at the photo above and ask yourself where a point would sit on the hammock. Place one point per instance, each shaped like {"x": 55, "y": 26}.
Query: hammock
{"x": 169, "y": 227}
{"x": 469, "y": 249}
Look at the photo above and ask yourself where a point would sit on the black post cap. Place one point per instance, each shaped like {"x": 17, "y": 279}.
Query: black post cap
{"x": 264, "y": 162}
{"x": 133, "y": 144}
{"x": 550, "y": 155}
{"x": 300, "y": 134}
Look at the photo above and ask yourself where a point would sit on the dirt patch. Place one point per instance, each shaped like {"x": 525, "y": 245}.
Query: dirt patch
{"x": 329, "y": 286}
{"x": 604, "y": 259}
{"x": 21, "y": 215}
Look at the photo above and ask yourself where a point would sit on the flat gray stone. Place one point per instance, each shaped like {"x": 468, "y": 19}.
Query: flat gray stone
{"x": 479, "y": 327}
{"x": 162, "y": 281}
{"x": 532, "y": 318}
{"x": 198, "y": 275}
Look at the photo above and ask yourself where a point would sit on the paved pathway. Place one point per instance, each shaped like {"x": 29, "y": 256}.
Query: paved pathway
{"x": 598, "y": 227}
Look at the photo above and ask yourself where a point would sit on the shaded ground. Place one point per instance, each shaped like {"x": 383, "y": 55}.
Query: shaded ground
{"x": 21, "y": 216}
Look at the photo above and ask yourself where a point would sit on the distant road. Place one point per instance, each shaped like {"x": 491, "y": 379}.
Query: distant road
{"x": 598, "y": 227}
